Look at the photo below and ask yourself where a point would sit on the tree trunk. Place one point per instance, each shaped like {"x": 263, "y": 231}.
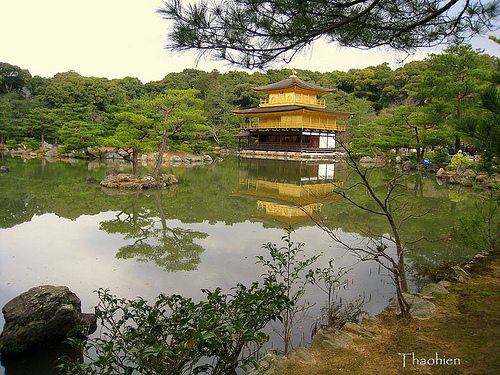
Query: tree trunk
{"x": 135, "y": 161}
{"x": 401, "y": 274}
{"x": 404, "y": 307}
{"x": 457, "y": 144}
{"x": 420, "y": 154}
{"x": 156, "y": 171}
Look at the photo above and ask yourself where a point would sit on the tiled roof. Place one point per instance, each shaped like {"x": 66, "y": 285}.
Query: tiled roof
{"x": 289, "y": 108}
{"x": 290, "y": 82}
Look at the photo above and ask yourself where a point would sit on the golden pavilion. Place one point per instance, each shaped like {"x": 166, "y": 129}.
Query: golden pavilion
{"x": 293, "y": 118}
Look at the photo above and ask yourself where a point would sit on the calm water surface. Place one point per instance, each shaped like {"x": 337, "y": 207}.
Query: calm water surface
{"x": 57, "y": 229}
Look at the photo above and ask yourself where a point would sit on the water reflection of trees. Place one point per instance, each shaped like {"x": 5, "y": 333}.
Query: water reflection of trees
{"x": 154, "y": 240}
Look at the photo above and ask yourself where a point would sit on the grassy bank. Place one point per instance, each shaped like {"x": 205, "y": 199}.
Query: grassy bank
{"x": 466, "y": 329}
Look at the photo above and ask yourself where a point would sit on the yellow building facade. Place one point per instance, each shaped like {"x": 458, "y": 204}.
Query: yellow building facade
{"x": 293, "y": 117}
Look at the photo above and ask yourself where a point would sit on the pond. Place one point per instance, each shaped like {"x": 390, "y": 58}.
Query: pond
{"x": 205, "y": 232}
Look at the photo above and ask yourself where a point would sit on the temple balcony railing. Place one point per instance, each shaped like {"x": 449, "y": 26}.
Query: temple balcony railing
{"x": 266, "y": 102}
{"x": 288, "y": 147}
{"x": 289, "y": 125}
{"x": 274, "y": 146}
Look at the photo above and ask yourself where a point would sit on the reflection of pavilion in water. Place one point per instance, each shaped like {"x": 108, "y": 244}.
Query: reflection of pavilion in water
{"x": 289, "y": 193}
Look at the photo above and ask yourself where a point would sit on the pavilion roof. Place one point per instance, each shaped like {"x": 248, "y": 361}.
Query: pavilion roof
{"x": 290, "y": 82}
{"x": 289, "y": 108}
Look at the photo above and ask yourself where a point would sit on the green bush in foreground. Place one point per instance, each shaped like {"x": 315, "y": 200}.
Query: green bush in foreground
{"x": 179, "y": 336}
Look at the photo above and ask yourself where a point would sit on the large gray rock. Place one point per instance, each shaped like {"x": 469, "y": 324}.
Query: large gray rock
{"x": 121, "y": 181}
{"x": 175, "y": 159}
{"x": 359, "y": 330}
{"x": 51, "y": 154}
{"x": 207, "y": 159}
{"x": 459, "y": 274}
{"x": 301, "y": 355}
{"x": 419, "y": 307}
{"x": 461, "y": 170}
{"x": 109, "y": 154}
{"x": 491, "y": 181}
{"x": 433, "y": 288}
{"x": 48, "y": 146}
{"x": 40, "y": 316}
{"x": 192, "y": 159}
{"x": 169, "y": 179}
{"x": 149, "y": 182}
{"x": 270, "y": 364}
{"x": 130, "y": 182}
{"x": 331, "y": 339}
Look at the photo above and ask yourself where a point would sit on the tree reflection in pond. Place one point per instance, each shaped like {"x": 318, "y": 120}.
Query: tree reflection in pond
{"x": 155, "y": 240}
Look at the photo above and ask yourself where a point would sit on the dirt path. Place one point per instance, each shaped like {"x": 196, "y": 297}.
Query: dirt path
{"x": 463, "y": 337}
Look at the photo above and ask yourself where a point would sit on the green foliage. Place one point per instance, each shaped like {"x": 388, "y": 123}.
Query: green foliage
{"x": 30, "y": 143}
{"x": 175, "y": 335}
{"x": 12, "y": 143}
{"x": 429, "y": 155}
{"x": 201, "y": 146}
{"x": 480, "y": 229}
{"x": 12, "y": 78}
{"x": 43, "y": 122}
{"x": 254, "y": 34}
{"x": 132, "y": 135}
{"x": 437, "y": 273}
{"x": 14, "y": 348}
{"x": 179, "y": 111}
{"x": 295, "y": 274}
{"x": 484, "y": 131}
{"x": 441, "y": 155}
{"x": 458, "y": 159}
{"x": 423, "y": 103}
{"x": 79, "y": 135}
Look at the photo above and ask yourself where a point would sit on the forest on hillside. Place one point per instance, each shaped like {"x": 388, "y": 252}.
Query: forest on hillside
{"x": 451, "y": 99}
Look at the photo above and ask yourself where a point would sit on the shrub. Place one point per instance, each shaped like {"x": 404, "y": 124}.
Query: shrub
{"x": 179, "y": 336}
{"x": 200, "y": 146}
{"x": 429, "y": 155}
{"x": 458, "y": 159}
{"x": 489, "y": 163}
{"x": 31, "y": 143}
{"x": 480, "y": 228}
{"x": 441, "y": 155}
{"x": 12, "y": 144}
{"x": 295, "y": 274}
{"x": 412, "y": 157}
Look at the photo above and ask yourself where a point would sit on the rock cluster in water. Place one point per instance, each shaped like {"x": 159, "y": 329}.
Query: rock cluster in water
{"x": 467, "y": 177}
{"x": 41, "y": 316}
{"x": 123, "y": 181}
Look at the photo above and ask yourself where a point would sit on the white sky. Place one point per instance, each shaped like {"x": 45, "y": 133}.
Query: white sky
{"x": 119, "y": 38}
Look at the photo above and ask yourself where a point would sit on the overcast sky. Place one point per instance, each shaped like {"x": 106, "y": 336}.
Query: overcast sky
{"x": 119, "y": 38}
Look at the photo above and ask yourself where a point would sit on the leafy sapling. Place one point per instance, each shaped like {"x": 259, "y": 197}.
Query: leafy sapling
{"x": 295, "y": 274}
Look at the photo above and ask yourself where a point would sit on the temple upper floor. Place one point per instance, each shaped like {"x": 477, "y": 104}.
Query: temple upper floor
{"x": 291, "y": 98}
{"x": 293, "y": 91}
